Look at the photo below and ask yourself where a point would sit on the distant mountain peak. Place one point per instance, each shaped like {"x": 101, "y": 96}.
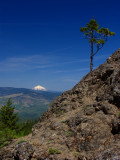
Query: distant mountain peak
{"x": 39, "y": 88}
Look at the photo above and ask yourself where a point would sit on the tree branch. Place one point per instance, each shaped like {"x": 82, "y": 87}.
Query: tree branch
{"x": 98, "y": 48}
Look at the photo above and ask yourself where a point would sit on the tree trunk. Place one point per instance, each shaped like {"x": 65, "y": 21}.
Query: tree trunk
{"x": 91, "y": 55}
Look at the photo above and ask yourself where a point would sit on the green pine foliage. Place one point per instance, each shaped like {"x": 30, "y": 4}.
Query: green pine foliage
{"x": 8, "y": 118}
{"x": 26, "y": 127}
{"x": 6, "y": 135}
{"x": 96, "y": 36}
{"x": 9, "y": 126}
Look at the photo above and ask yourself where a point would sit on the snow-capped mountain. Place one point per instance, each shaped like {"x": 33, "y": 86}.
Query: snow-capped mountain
{"x": 39, "y": 88}
{"x": 29, "y": 103}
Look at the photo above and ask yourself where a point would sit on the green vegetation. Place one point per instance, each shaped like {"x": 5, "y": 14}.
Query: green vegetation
{"x": 58, "y": 112}
{"x": 26, "y": 127}
{"x": 119, "y": 114}
{"x": 96, "y": 37}
{"x": 21, "y": 141}
{"x": 63, "y": 121}
{"x": 75, "y": 154}
{"x": 49, "y": 141}
{"x": 84, "y": 108}
{"x": 8, "y": 123}
{"x": 54, "y": 151}
{"x": 8, "y": 118}
{"x": 9, "y": 126}
{"x": 69, "y": 133}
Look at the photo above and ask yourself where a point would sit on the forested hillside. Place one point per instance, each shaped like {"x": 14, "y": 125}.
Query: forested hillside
{"x": 29, "y": 104}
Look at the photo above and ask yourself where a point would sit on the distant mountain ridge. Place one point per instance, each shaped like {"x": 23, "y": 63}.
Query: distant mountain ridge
{"x": 30, "y": 104}
{"x": 12, "y": 90}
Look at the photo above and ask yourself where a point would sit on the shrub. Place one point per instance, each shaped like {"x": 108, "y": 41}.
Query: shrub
{"x": 75, "y": 154}
{"x": 54, "y": 151}
{"x": 119, "y": 114}
{"x": 84, "y": 108}
{"x": 69, "y": 133}
{"x": 63, "y": 121}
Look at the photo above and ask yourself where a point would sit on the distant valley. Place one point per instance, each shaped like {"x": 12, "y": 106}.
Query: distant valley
{"x": 29, "y": 104}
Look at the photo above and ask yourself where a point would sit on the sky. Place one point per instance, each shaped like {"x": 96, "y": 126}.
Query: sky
{"x": 41, "y": 43}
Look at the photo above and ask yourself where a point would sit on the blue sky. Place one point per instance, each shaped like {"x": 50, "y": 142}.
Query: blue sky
{"x": 41, "y": 43}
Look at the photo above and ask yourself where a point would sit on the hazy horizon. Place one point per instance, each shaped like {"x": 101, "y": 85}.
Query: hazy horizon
{"x": 41, "y": 43}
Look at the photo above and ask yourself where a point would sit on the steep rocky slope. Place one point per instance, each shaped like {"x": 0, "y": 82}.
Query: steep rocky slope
{"x": 82, "y": 123}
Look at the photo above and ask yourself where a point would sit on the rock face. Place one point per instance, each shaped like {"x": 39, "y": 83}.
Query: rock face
{"x": 82, "y": 123}
{"x": 22, "y": 151}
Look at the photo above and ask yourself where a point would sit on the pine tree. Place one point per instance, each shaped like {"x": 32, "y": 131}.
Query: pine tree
{"x": 8, "y": 119}
{"x": 97, "y": 37}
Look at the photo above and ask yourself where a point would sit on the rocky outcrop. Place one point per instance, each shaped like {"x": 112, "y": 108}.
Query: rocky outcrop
{"x": 19, "y": 151}
{"x": 22, "y": 151}
{"x": 82, "y": 123}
